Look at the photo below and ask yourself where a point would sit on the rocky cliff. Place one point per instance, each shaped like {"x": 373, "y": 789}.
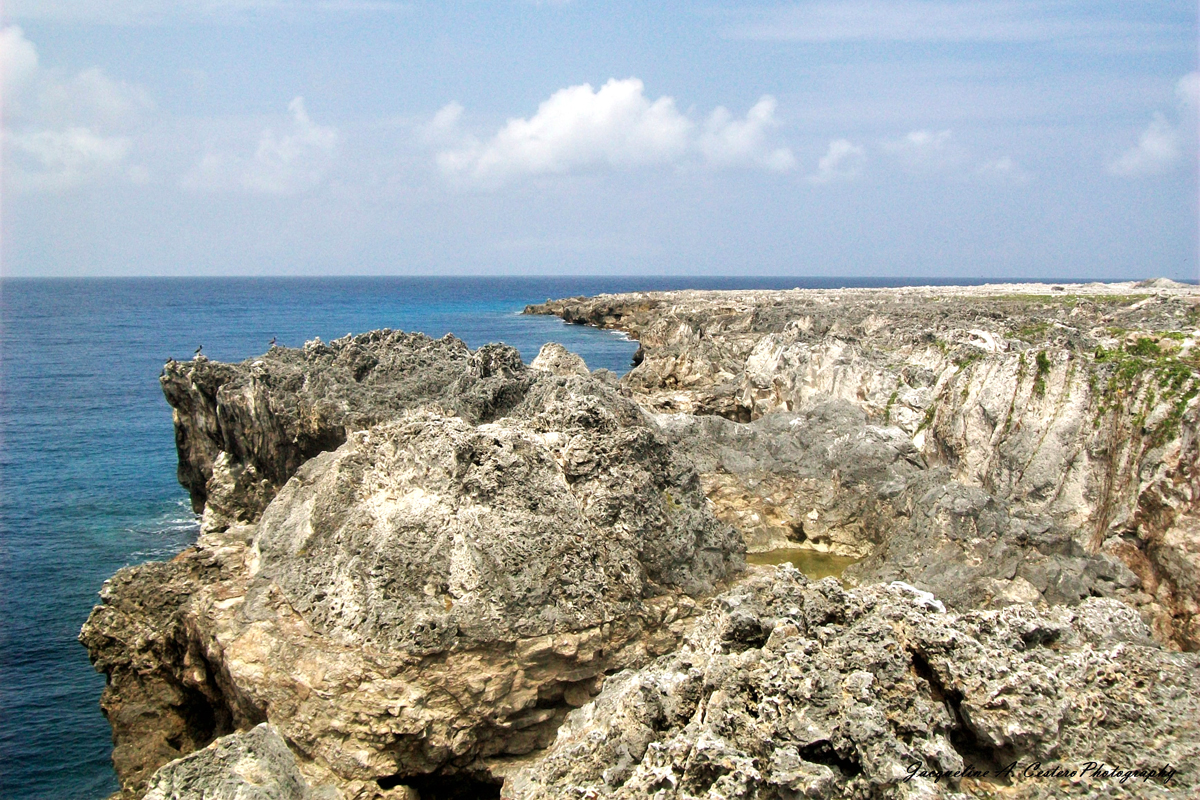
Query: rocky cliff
{"x": 1075, "y": 406}
{"x": 431, "y": 572}
{"x": 243, "y": 429}
{"x": 427, "y": 599}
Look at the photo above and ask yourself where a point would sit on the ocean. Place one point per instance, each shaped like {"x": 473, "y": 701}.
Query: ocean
{"x": 87, "y": 451}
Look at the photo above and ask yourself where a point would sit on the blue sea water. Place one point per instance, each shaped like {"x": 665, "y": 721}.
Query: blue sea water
{"x": 87, "y": 455}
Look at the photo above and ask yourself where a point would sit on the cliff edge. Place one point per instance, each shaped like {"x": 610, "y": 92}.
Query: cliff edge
{"x": 431, "y": 572}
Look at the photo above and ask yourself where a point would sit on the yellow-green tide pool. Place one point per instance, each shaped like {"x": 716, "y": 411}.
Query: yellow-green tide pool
{"x": 812, "y": 563}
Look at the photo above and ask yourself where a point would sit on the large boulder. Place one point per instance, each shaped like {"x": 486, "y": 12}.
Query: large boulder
{"x": 255, "y": 765}
{"x": 429, "y": 598}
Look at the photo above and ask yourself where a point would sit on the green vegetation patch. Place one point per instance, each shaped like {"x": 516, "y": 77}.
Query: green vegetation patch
{"x": 1043, "y": 369}
{"x": 1067, "y": 300}
{"x": 1033, "y": 332}
{"x": 1141, "y": 370}
{"x": 887, "y": 410}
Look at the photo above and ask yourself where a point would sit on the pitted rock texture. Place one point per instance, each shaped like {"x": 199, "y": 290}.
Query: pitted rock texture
{"x": 429, "y": 532}
{"x": 430, "y": 595}
{"x": 788, "y": 688}
{"x": 974, "y": 550}
{"x": 827, "y": 479}
{"x": 242, "y": 430}
{"x": 1080, "y": 402}
{"x": 555, "y": 358}
{"x": 820, "y": 478}
{"x": 255, "y": 765}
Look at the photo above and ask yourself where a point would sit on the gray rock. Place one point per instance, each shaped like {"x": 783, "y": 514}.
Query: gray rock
{"x": 1077, "y": 404}
{"x": 432, "y": 594}
{"x": 429, "y": 533}
{"x": 558, "y": 360}
{"x": 788, "y": 688}
{"x": 242, "y": 430}
{"x": 255, "y": 765}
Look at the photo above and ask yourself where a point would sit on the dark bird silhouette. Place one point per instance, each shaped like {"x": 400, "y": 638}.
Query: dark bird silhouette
{"x": 198, "y": 349}
{"x": 272, "y": 341}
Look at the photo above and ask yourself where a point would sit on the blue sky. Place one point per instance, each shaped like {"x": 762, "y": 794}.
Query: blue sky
{"x": 987, "y": 138}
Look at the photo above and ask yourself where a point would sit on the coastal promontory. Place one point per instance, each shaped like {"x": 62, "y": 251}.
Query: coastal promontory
{"x": 426, "y": 571}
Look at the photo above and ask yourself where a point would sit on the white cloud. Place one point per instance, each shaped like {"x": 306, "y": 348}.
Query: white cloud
{"x": 732, "y": 142}
{"x": 1002, "y": 170}
{"x": 18, "y": 62}
{"x": 579, "y": 128}
{"x": 34, "y": 95}
{"x": 1158, "y": 148}
{"x": 925, "y": 151}
{"x": 283, "y": 165}
{"x": 89, "y": 97}
{"x": 843, "y": 161}
{"x": 1162, "y": 145}
{"x": 1187, "y": 90}
{"x": 447, "y": 117}
{"x": 443, "y": 130}
{"x": 62, "y": 131}
{"x": 50, "y": 160}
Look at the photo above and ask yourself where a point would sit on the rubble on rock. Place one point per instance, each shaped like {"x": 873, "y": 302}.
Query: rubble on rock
{"x": 788, "y": 688}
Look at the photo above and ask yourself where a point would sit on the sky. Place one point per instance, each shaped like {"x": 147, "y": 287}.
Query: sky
{"x": 915, "y": 138}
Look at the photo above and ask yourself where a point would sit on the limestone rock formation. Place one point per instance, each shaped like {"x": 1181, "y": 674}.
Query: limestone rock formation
{"x": 432, "y": 595}
{"x": 827, "y": 479}
{"x": 1074, "y": 404}
{"x": 555, "y": 358}
{"x": 788, "y": 688}
{"x": 812, "y": 478}
{"x": 420, "y": 565}
{"x": 255, "y": 765}
{"x": 243, "y": 429}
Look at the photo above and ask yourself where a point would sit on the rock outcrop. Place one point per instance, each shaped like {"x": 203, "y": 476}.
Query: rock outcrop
{"x": 555, "y": 358}
{"x": 1073, "y": 404}
{"x": 426, "y": 571}
{"x": 255, "y": 765}
{"x": 431, "y": 596}
{"x": 243, "y": 429}
{"x": 788, "y": 688}
{"x": 829, "y": 480}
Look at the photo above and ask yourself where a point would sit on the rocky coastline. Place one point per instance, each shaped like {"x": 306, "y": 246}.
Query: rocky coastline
{"x": 431, "y": 572}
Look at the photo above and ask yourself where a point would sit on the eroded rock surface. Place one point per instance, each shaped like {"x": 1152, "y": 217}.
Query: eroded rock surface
{"x": 243, "y": 429}
{"x": 555, "y": 358}
{"x": 255, "y": 765}
{"x": 416, "y": 559}
{"x": 788, "y": 688}
{"x": 1076, "y": 406}
{"x": 432, "y": 594}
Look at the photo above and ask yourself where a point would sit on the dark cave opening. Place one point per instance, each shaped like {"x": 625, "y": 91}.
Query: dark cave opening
{"x": 459, "y": 786}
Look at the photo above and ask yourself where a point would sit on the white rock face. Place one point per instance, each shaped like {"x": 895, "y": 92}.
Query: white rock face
{"x": 1077, "y": 403}
{"x": 255, "y": 765}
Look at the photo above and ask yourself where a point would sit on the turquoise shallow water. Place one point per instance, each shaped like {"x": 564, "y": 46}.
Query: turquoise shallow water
{"x": 87, "y": 456}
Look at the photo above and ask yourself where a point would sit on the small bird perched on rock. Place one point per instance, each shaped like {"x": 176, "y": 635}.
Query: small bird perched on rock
{"x": 272, "y": 342}
{"x": 198, "y": 349}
